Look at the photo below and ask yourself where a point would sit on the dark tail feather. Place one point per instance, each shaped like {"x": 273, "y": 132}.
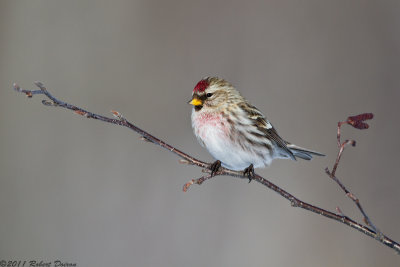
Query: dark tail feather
{"x": 303, "y": 153}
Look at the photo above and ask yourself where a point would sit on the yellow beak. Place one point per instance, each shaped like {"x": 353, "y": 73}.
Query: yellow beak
{"x": 196, "y": 102}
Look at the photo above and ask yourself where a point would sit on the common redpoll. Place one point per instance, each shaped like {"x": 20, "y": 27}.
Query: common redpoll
{"x": 235, "y": 132}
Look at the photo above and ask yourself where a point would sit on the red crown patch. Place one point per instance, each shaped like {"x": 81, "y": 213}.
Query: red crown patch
{"x": 201, "y": 86}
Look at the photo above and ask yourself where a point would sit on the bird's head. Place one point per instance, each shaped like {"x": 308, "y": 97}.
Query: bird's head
{"x": 212, "y": 93}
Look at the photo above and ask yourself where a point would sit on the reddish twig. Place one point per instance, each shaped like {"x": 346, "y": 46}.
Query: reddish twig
{"x": 185, "y": 158}
{"x": 357, "y": 122}
{"x": 198, "y": 181}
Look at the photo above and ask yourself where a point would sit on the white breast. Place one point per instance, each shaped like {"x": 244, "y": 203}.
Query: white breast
{"x": 214, "y": 133}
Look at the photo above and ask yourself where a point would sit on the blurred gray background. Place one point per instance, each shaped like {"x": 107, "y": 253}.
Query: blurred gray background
{"x": 83, "y": 191}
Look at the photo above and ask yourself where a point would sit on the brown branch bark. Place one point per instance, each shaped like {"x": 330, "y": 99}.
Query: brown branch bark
{"x": 356, "y": 122}
{"x": 187, "y": 159}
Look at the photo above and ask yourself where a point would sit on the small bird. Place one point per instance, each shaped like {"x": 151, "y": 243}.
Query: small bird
{"x": 235, "y": 132}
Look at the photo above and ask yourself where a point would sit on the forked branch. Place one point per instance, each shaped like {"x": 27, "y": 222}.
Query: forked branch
{"x": 358, "y": 123}
{"x": 185, "y": 158}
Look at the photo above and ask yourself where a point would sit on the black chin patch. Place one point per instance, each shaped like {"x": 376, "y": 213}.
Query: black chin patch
{"x": 197, "y": 108}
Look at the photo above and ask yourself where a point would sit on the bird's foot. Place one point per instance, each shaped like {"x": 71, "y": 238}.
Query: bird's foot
{"x": 249, "y": 172}
{"x": 215, "y": 167}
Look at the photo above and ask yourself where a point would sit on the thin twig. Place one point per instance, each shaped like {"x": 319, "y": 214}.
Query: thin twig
{"x": 185, "y": 158}
{"x": 356, "y": 122}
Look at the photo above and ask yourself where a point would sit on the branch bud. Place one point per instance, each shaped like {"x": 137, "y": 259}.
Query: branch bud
{"x": 358, "y": 120}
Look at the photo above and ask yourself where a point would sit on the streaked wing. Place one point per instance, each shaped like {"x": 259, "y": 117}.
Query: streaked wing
{"x": 266, "y": 127}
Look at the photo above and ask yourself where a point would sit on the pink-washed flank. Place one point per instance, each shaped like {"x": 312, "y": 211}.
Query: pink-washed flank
{"x": 211, "y": 121}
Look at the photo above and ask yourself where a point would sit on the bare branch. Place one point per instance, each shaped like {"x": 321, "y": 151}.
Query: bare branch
{"x": 355, "y": 121}
{"x": 198, "y": 181}
{"x": 358, "y": 123}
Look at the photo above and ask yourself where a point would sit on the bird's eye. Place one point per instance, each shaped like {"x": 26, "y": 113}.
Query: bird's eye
{"x": 209, "y": 95}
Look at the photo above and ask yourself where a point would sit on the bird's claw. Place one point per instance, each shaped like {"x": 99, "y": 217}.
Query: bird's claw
{"x": 215, "y": 167}
{"x": 249, "y": 172}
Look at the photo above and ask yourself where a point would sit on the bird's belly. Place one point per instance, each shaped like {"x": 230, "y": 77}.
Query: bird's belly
{"x": 216, "y": 136}
{"x": 236, "y": 158}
